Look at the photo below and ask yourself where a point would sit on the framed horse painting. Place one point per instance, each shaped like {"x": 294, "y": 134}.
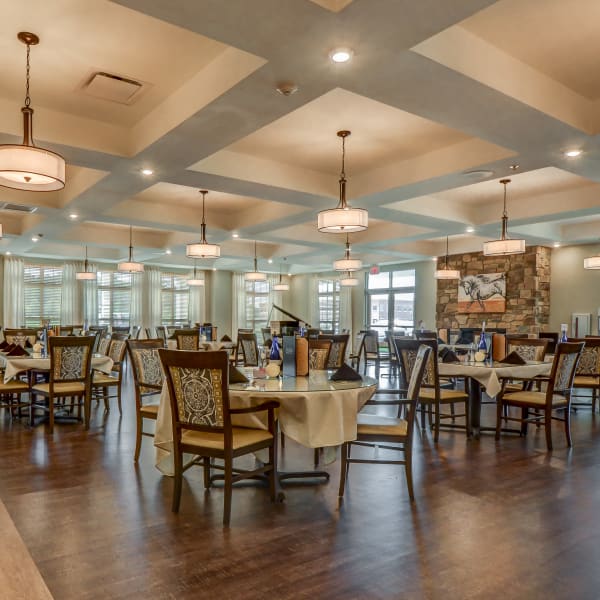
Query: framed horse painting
{"x": 482, "y": 293}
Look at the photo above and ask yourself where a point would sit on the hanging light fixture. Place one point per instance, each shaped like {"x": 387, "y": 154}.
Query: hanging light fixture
{"x": 347, "y": 263}
{"x": 25, "y": 166}
{"x": 446, "y": 273}
{"x": 281, "y": 286}
{"x": 203, "y": 249}
{"x": 86, "y": 275}
{"x": 504, "y": 245}
{"x": 348, "y": 280}
{"x": 195, "y": 281}
{"x": 130, "y": 266}
{"x": 255, "y": 275}
{"x": 343, "y": 218}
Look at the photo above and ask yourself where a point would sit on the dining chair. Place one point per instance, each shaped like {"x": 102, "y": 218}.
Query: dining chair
{"x": 249, "y": 346}
{"x": 187, "y": 339}
{"x": 318, "y": 354}
{"x": 201, "y": 419}
{"x": 103, "y": 344}
{"x": 529, "y": 349}
{"x": 369, "y": 350}
{"x": 161, "y": 332}
{"x": 552, "y": 337}
{"x": 556, "y": 396}
{"x": 150, "y": 333}
{"x": 377, "y": 431}
{"x": 102, "y": 383}
{"x": 11, "y": 395}
{"x": 337, "y": 352}
{"x": 23, "y": 336}
{"x": 122, "y": 329}
{"x": 147, "y": 383}
{"x": 70, "y": 377}
{"x": 426, "y": 335}
{"x": 433, "y": 395}
{"x": 587, "y": 374}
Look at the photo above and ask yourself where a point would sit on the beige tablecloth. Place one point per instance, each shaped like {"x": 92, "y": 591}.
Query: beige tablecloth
{"x": 315, "y": 419}
{"x": 489, "y": 375}
{"x": 18, "y": 364}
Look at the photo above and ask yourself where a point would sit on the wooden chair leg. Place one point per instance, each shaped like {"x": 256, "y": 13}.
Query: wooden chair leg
{"x": 436, "y": 421}
{"x": 177, "y": 481}
{"x": 119, "y": 398}
{"x": 228, "y": 488}
{"x": 568, "y": 426}
{"x": 273, "y": 471}
{"x": 138, "y": 437}
{"x": 343, "y": 469}
{"x": 408, "y": 469}
{"x": 206, "y": 466}
{"x": 50, "y": 415}
{"x": 105, "y": 398}
{"x": 524, "y": 417}
{"x": 422, "y": 407}
{"x": 87, "y": 409}
{"x": 548, "y": 427}
{"x": 282, "y": 439}
{"x": 499, "y": 409}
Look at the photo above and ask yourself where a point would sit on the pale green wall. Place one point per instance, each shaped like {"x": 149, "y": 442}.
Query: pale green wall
{"x": 218, "y": 295}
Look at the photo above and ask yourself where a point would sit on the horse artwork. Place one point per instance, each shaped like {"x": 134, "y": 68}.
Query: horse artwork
{"x": 482, "y": 293}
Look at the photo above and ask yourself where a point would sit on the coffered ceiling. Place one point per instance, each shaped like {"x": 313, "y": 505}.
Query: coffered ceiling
{"x": 441, "y": 98}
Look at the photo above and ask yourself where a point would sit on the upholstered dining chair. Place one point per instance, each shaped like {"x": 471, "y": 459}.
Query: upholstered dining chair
{"x": 161, "y": 332}
{"x": 587, "y": 375}
{"x": 187, "y": 339}
{"x": 147, "y": 383}
{"x": 249, "y": 346}
{"x": 102, "y": 383}
{"x": 201, "y": 418}
{"x": 556, "y": 396}
{"x": 70, "y": 377}
{"x": 375, "y": 430}
{"x": 318, "y": 354}
{"x": 432, "y": 395}
{"x": 22, "y": 336}
{"x": 528, "y": 349}
{"x": 337, "y": 352}
{"x": 369, "y": 350}
{"x": 103, "y": 344}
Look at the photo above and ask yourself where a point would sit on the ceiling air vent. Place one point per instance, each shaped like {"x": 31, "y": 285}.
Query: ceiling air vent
{"x": 113, "y": 88}
{"x": 17, "y": 207}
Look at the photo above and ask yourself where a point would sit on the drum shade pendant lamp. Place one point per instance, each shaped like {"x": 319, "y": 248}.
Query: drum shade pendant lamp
{"x": 348, "y": 280}
{"x": 281, "y": 286}
{"x": 347, "y": 263}
{"x": 130, "y": 266}
{"x": 25, "y": 166}
{"x": 203, "y": 249}
{"x": 343, "y": 218}
{"x": 85, "y": 275}
{"x": 195, "y": 281}
{"x": 445, "y": 272}
{"x": 504, "y": 245}
{"x": 255, "y": 275}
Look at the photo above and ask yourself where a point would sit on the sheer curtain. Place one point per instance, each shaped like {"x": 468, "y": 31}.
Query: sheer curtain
{"x": 196, "y": 304}
{"x": 313, "y": 299}
{"x": 275, "y": 297}
{"x": 70, "y": 313}
{"x": 238, "y": 304}
{"x": 90, "y": 300}
{"x": 14, "y": 294}
{"x": 346, "y": 312}
{"x": 135, "y": 305}
{"x": 153, "y": 312}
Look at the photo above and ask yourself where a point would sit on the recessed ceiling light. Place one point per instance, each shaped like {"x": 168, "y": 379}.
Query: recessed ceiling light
{"x": 35, "y": 238}
{"x": 168, "y": 251}
{"x": 470, "y": 229}
{"x": 514, "y": 167}
{"x": 573, "y": 153}
{"x": 434, "y": 258}
{"x": 73, "y": 216}
{"x": 477, "y": 174}
{"x": 8, "y": 253}
{"x": 341, "y": 55}
{"x": 235, "y": 235}
{"x": 214, "y": 268}
{"x": 556, "y": 244}
{"x": 270, "y": 261}
{"x": 147, "y": 172}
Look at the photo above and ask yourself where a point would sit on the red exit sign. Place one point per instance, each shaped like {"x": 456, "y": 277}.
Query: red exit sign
{"x": 374, "y": 270}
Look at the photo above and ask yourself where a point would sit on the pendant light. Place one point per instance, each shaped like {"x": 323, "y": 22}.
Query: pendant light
{"x": 447, "y": 273}
{"x": 195, "y": 281}
{"x": 348, "y": 280}
{"x": 255, "y": 275}
{"x": 281, "y": 286}
{"x": 85, "y": 275}
{"x": 25, "y": 166}
{"x": 343, "y": 218}
{"x": 347, "y": 263}
{"x": 203, "y": 249}
{"x": 504, "y": 245}
{"x": 130, "y": 266}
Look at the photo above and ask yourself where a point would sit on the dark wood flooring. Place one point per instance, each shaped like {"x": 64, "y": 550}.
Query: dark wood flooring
{"x": 491, "y": 520}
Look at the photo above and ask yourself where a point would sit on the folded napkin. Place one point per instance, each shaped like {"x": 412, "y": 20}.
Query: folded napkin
{"x": 236, "y": 376}
{"x": 225, "y": 338}
{"x": 28, "y": 343}
{"x": 345, "y": 373}
{"x": 448, "y": 356}
{"x": 9, "y": 347}
{"x": 513, "y": 359}
{"x": 18, "y": 351}
{"x": 3, "y": 344}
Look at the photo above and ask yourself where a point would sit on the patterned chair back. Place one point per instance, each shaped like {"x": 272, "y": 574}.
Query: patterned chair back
{"x": 528, "y": 348}
{"x": 318, "y": 354}
{"x": 117, "y": 347}
{"x": 589, "y": 361}
{"x": 419, "y": 369}
{"x": 371, "y": 342}
{"x": 406, "y": 353}
{"x": 249, "y": 347}
{"x": 564, "y": 367}
{"x": 135, "y": 332}
{"x": 187, "y": 339}
{"x": 147, "y": 370}
{"x": 104, "y": 344}
{"x": 161, "y": 332}
{"x": 70, "y": 358}
{"x": 198, "y": 390}
{"x": 337, "y": 353}
{"x": 21, "y": 336}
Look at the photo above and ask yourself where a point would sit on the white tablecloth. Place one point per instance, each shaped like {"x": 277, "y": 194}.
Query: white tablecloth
{"x": 489, "y": 375}
{"x": 172, "y": 345}
{"x": 18, "y": 364}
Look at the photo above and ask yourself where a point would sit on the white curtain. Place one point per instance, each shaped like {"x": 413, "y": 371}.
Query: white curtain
{"x": 275, "y": 297}
{"x": 197, "y": 305}
{"x": 90, "y": 299}
{"x": 238, "y": 304}
{"x": 313, "y": 300}
{"x": 153, "y": 308}
{"x": 135, "y": 306}
{"x": 14, "y": 294}
{"x": 70, "y": 313}
{"x": 346, "y": 314}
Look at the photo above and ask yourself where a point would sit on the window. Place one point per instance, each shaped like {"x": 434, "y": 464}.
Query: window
{"x": 257, "y": 305}
{"x": 391, "y": 301}
{"x": 43, "y": 287}
{"x": 329, "y": 305}
{"x": 114, "y": 298}
{"x": 174, "y": 298}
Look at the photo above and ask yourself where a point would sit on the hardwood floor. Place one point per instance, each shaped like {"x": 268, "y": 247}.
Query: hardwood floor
{"x": 491, "y": 520}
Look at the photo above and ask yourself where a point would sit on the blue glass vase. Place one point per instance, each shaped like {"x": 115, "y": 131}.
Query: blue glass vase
{"x": 274, "y": 354}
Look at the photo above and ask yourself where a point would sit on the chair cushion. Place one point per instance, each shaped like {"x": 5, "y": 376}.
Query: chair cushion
{"x": 13, "y": 386}
{"x": 377, "y": 425}
{"x": 446, "y": 396}
{"x": 532, "y": 399}
{"x": 61, "y": 389}
{"x": 102, "y": 379}
{"x": 584, "y": 381}
{"x": 242, "y": 436}
{"x": 149, "y": 410}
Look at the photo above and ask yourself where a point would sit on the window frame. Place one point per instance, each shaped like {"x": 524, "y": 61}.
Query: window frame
{"x": 174, "y": 293}
{"x": 113, "y": 290}
{"x": 255, "y": 296}
{"x": 333, "y": 294}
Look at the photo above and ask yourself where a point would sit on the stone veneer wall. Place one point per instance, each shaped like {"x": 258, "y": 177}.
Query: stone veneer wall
{"x": 527, "y": 291}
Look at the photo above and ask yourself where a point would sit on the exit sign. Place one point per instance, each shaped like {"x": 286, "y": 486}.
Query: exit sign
{"x": 374, "y": 270}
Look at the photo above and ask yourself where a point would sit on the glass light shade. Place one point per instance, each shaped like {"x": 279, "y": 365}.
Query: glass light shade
{"x": 255, "y": 276}
{"x": 347, "y": 264}
{"x": 195, "y": 282}
{"x": 281, "y": 287}
{"x": 503, "y": 247}
{"x": 349, "y": 281}
{"x": 130, "y": 267}
{"x": 202, "y": 250}
{"x": 447, "y": 274}
{"x": 85, "y": 276}
{"x": 30, "y": 168}
{"x": 343, "y": 220}
{"x": 592, "y": 262}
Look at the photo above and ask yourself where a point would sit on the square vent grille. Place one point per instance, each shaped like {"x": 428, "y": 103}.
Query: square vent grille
{"x": 17, "y": 207}
{"x": 113, "y": 88}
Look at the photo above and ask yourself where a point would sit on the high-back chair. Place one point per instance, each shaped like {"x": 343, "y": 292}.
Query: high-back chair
{"x": 556, "y": 396}
{"x": 22, "y": 337}
{"x": 378, "y": 431}
{"x": 202, "y": 425}
{"x": 147, "y": 383}
{"x": 187, "y": 339}
{"x": 552, "y": 337}
{"x": 432, "y": 395}
{"x": 337, "y": 352}
{"x": 70, "y": 376}
{"x": 527, "y": 348}
{"x": 249, "y": 346}
{"x": 587, "y": 375}
{"x": 369, "y": 350}
{"x": 318, "y": 354}
{"x": 103, "y": 343}
{"x": 161, "y": 332}
{"x": 99, "y": 331}
{"x": 122, "y": 329}
{"x": 102, "y": 383}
